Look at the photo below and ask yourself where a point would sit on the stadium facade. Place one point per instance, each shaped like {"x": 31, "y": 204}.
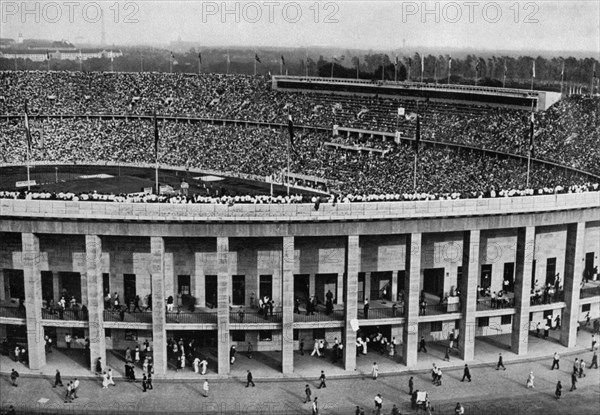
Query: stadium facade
{"x": 222, "y": 259}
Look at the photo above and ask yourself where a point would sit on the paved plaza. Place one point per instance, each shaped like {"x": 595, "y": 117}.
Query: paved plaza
{"x": 490, "y": 392}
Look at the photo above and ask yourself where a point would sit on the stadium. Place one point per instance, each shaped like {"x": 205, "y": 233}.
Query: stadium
{"x": 288, "y": 214}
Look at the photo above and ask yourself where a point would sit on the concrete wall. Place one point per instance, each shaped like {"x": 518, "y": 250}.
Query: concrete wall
{"x": 550, "y": 242}
{"x": 442, "y": 251}
{"x": 498, "y": 247}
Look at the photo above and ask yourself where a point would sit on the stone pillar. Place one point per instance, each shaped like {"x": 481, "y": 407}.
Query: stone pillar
{"x": 287, "y": 300}
{"x": 95, "y": 304}
{"x": 2, "y": 293}
{"x": 199, "y": 284}
{"x": 339, "y": 295}
{"x": 223, "y": 294}
{"x": 367, "y": 288}
{"x": 412, "y": 285}
{"x": 468, "y": 297}
{"x": 33, "y": 300}
{"x": 394, "y": 292}
{"x": 311, "y": 284}
{"x": 159, "y": 331}
{"x": 574, "y": 266}
{"x": 351, "y": 306}
{"x": 523, "y": 269}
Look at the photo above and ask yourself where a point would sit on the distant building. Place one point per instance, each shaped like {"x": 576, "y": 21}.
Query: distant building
{"x": 59, "y": 54}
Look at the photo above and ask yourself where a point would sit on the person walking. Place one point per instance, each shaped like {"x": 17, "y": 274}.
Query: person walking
{"x": 249, "y": 379}
{"x": 422, "y": 345}
{"x": 530, "y": 380}
{"x": 196, "y": 365}
{"x": 57, "y": 379}
{"x": 68, "y": 340}
{"x": 99, "y": 366}
{"x": 308, "y": 392}
{"x": 203, "y": 366}
{"x": 558, "y": 391}
{"x": 110, "y": 377}
{"x": 128, "y": 355}
{"x": 466, "y": 373}
{"x": 378, "y": 404}
{"x": 315, "y": 407}
{"x": 316, "y": 349}
{"x": 581, "y": 368}
{"x": 144, "y": 382}
{"x": 68, "y": 393}
{"x": 149, "y": 382}
{"x": 576, "y": 366}
{"x": 555, "y": 361}
{"x": 573, "y": 381}
{"x": 205, "y": 389}
{"x": 322, "y": 379}
{"x": 593, "y": 342}
{"x": 302, "y": 346}
{"x": 105, "y": 382}
{"x": 14, "y": 375}
{"x": 500, "y": 362}
{"x": 75, "y": 388}
{"x": 411, "y": 385}
{"x": 375, "y": 371}
{"x": 447, "y": 355}
{"x": 594, "y": 363}
{"x": 366, "y": 308}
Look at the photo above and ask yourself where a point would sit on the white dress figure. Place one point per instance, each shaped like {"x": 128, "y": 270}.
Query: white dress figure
{"x": 105, "y": 382}
{"x": 203, "y": 365}
{"x": 110, "y": 377}
{"x": 530, "y": 379}
{"x": 196, "y": 364}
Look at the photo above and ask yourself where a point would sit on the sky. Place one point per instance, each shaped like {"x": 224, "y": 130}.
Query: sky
{"x": 379, "y": 25}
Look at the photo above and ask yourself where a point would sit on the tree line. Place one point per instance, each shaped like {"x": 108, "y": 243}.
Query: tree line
{"x": 490, "y": 71}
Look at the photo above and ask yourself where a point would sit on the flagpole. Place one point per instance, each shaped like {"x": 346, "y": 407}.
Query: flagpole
{"x": 141, "y": 61}
{"x": 562, "y": 78}
{"x": 449, "y": 69}
{"x": 435, "y": 71}
{"x": 530, "y": 145}
{"x": 416, "y": 152}
{"x": 331, "y": 68}
{"x": 28, "y": 142}
{"x": 287, "y": 176}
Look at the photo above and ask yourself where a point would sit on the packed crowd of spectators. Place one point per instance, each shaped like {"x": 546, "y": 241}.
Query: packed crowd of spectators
{"x": 567, "y": 133}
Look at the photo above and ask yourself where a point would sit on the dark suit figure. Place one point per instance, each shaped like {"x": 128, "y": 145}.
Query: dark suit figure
{"x": 249, "y": 379}
{"x": 466, "y": 374}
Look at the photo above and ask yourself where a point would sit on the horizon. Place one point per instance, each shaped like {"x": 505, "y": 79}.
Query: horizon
{"x": 486, "y": 27}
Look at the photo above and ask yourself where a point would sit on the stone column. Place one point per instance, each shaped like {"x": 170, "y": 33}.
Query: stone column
{"x": 2, "y": 293}
{"x": 339, "y": 295}
{"x": 95, "y": 304}
{"x": 199, "y": 280}
{"x": 574, "y": 266}
{"x": 523, "y": 269}
{"x": 394, "y": 292}
{"x": 468, "y": 297}
{"x": 312, "y": 284}
{"x": 412, "y": 284}
{"x": 159, "y": 322}
{"x": 367, "y": 287}
{"x": 287, "y": 301}
{"x": 33, "y": 300}
{"x": 223, "y": 294}
{"x": 351, "y": 306}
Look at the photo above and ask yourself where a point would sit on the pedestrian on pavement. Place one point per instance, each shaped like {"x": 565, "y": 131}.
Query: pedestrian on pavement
{"x": 196, "y": 364}
{"x": 558, "y": 391}
{"x": 302, "y": 346}
{"x": 316, "y": 349}
{"x": 308, "y": 392}
{"x": 57, "y": 379}
{"x": 249, "y": 379}
{"x": 149, "y": 382}
{"x": 110, "y": 377}
{"x": 105, "y": 381}
{"x": 459, "y": 410}
{"x": 322, "y": 379}
{"x": 205, "y": 389}
{"x": 378, "y": 404}
{"x": 68, "y": 393}
{"x": 232, "y": 353}
{"x": 500, "y": 363}
{"x": 581, "y": 368}
{"x": 395, "y": 410}
{"x": 439, "y": 377}
{"x": 593, "y": 342}
{"x": 411, "y": 385}
{"x": 573, "y": 381}
{"x": 68, "y": 340}
{"x": 250, "y": 349}
{"x": 422, "y": 345}
{"x": 447, "y": 356}
{"x": 537, "y": 330}
{"x": 576, "y": 366}
{"x": 546, "y": 330}
{"x": 466, "y": 374}
{"x": 315, "y": 407}
{"x": 375, "y": 371}
{"x": 13, "y": 377}
{"x": 530, "y": 379}
{"x": 99, "y": 366}
{"x": 555, "y": 361}
{"x": 144, "y": 382}
{"x": 366, "y": 308}
{"x": 75, "y": 388}
{"x": 594, "y": 360}
{"x": 128, "y": 355}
